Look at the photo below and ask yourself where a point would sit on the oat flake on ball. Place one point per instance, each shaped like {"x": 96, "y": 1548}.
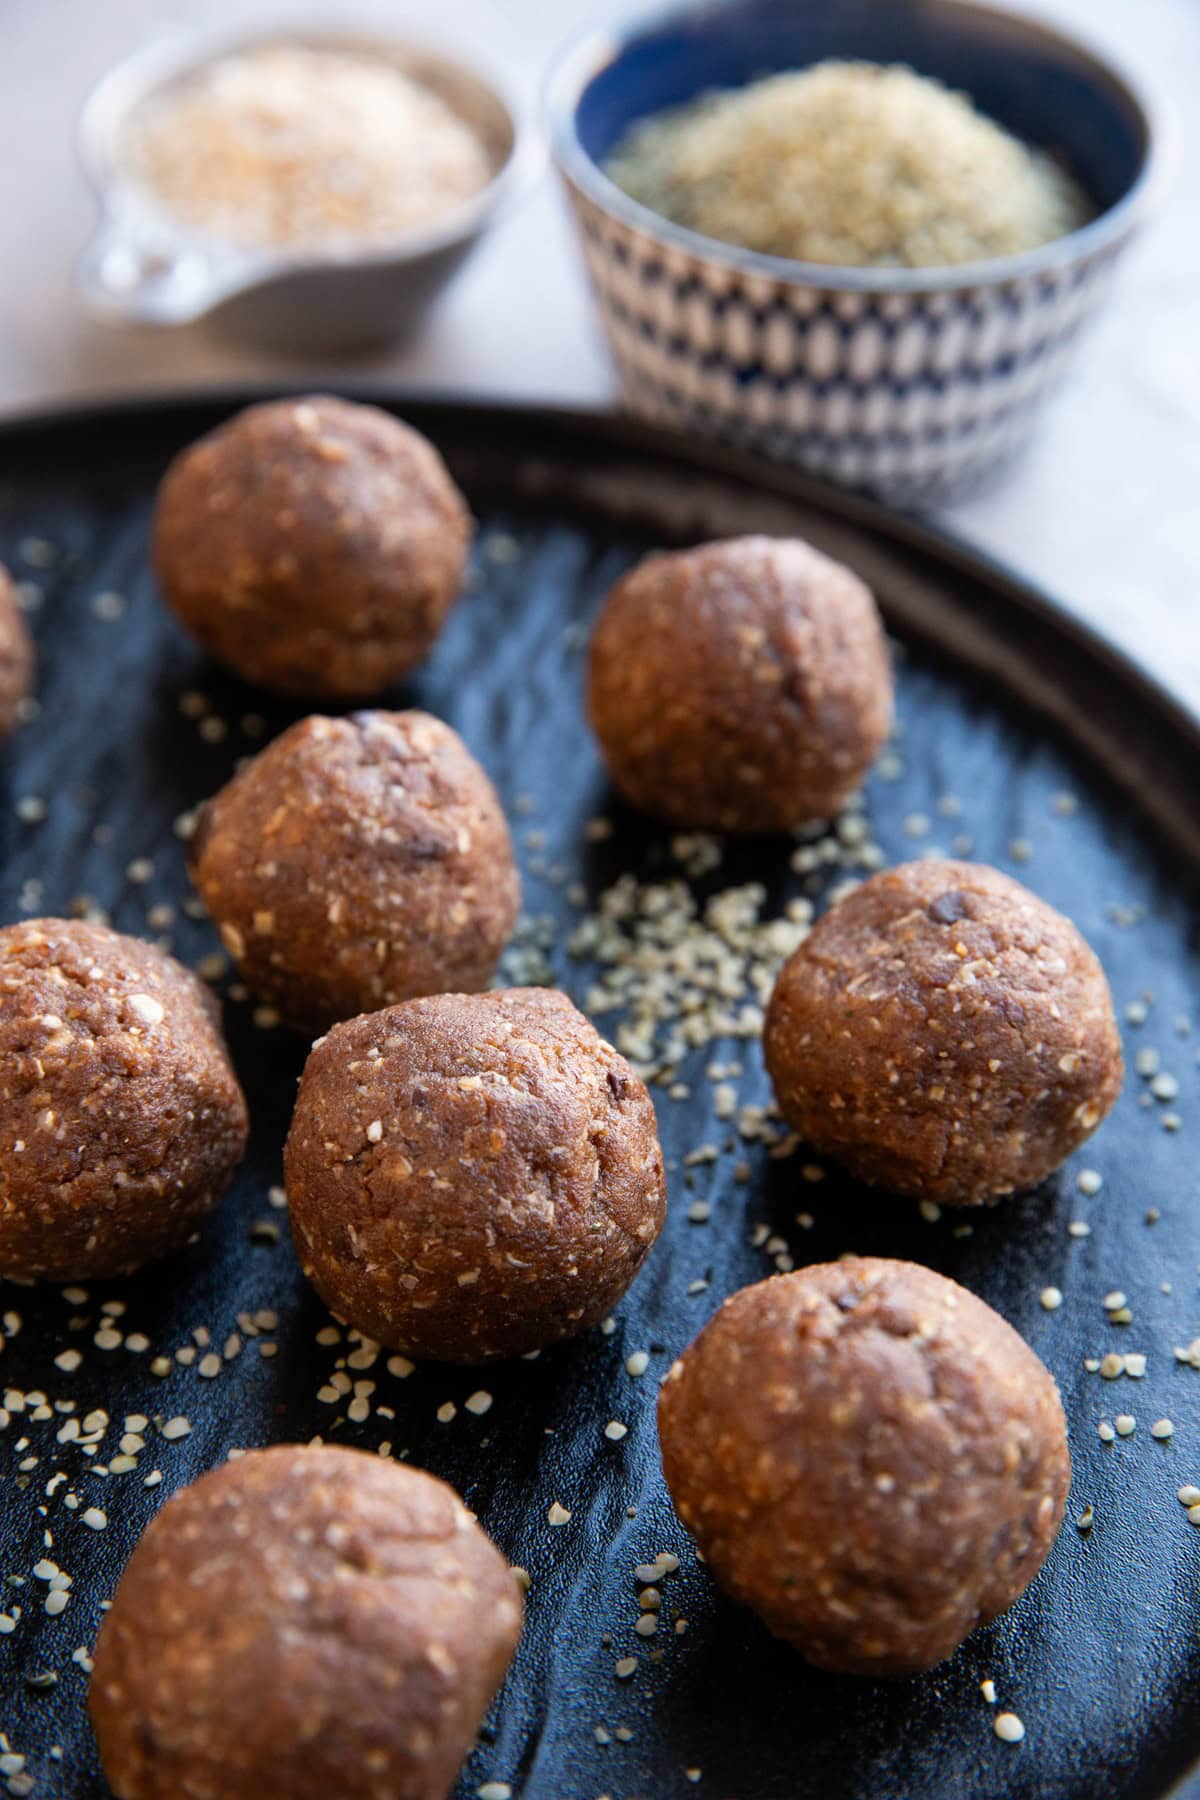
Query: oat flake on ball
{"x": 472, "y": 1175}
{"x": 868, "y": 1456}
{"x": 944, "y": 1033}
{"x": 740, "y": 686}
{"x": 357, "y": 862}
{"x": 314, "y": 545}
{"x": 121, "y": 1119}
{"x": 314, "y": 1623}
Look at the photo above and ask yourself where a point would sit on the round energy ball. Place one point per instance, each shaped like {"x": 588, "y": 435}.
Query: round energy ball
{"x": 741, "y": 686}
{"x": 944, "y": 1033}
{"x": 868, "y": 1456}
{"x": 121, "y": 1119}
{"x": 309, "y": 1622}
{"x": 356, "y": 862}
{"x": 313, "y": 545}
{"x": 472, "y": 1176}
{"x": 16, "y": 656}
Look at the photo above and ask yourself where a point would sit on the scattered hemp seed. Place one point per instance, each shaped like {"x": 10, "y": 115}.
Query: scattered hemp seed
{"x": 1135, "y": 1365}
{"x": 558, "y": 1515}
{"x": 446, "y": 1412}
{"x": 1188, "y": 1495}
{"x": 178, "y": 1427}
{"x": 1162, "y": 1428}
{"x": 1008, "y": 1728}
{"x": 1086, "y": 1519}
{"x": 1105, "y": 1432}
{"x": 1079, "y": 1228}
{"x": 494, "y": 1790}
{"x": 479, "y": 1402}
{"x": 625, "y": 1667}
{"x": 615, "y": 1431}
{"x": 1051, "y": 1298}
{"x": 638, "y": 1363}
{"x": 1126, "y": 1424}
{"x": 987, "y": 1688}
{"x": 1089, "y": 1181}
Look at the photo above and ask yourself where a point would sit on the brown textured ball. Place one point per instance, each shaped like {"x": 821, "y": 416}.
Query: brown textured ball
{"x": 16, "y": 656}
{"x": 944, "y": 1033}
{"x": 472, "y": 1176}
{"x": 314, "y": 545}
{"x": 356, "y": 862}
{"x": 121, "y": 1119}
{"x": 868, "y": 1456}
{"x": 309, "y": 1622}
{"x": 742, "y": 686}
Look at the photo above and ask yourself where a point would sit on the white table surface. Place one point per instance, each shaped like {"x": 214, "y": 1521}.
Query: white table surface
{"x": 1104, "y": 512}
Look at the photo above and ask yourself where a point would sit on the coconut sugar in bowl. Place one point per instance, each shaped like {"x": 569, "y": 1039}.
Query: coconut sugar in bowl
{"x": 308, "y": 190}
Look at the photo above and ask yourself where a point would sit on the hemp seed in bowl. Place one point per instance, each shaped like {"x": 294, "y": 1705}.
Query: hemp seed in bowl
{"x": 851, "y": 163}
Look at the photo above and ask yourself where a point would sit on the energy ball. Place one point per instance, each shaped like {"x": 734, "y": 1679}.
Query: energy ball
{"x": 944, "y": 1033}
{"x": 742, "y": 686}
{"x": 16, "y": 657}
{"x": 121, "y": 1119}
{"x": 869, "y": 1457}
{"x": 472, "y": 1176}
{"x": 309, "y": 1622}
{"x": 356, "y": 862}
{"x": 313, "y": 545}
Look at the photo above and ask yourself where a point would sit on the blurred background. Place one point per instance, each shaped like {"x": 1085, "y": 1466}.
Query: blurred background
{"x": 1102, "y": 511}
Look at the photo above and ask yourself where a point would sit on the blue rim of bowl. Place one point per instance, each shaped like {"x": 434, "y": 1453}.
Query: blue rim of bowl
{"x": 595, "y": 50}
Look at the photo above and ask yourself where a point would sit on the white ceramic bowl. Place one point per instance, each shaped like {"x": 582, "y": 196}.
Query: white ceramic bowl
{"x": 148, "y": 267}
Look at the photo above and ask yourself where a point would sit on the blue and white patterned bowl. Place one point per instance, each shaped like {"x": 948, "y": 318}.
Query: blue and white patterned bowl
{"x": 915, "y": 383}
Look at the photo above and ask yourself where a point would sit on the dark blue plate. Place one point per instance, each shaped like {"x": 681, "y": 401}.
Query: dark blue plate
{"x": 1005, "y": 705}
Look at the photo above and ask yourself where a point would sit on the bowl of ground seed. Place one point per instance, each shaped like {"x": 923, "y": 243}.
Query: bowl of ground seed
{"x": 314, "y": 189}
{"x": 862, "y": 237}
